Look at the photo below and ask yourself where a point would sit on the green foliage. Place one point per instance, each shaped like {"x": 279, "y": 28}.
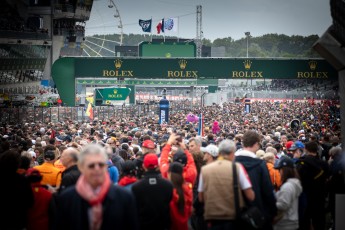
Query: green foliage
{"x": 268, "y": 45}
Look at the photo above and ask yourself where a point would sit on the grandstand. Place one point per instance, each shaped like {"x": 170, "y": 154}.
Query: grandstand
{"x": 33, "y": 34}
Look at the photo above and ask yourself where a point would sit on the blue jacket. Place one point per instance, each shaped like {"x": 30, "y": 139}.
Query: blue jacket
{"x": 261, "y": 184}
{"x": 113, "y": 172}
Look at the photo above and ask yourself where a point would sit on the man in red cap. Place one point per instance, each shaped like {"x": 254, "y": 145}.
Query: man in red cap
{"x": 148, "y": 147}
{"x": 153, "y": 195}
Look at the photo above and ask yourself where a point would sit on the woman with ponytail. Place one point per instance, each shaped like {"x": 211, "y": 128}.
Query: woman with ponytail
{"x": 181, "y": 203}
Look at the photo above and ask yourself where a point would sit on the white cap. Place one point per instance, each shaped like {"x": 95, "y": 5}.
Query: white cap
{"x": 211, "y": 149}
{"x": 32, "y": 153}
{"x": 43, "y": 143}
{"x": 42, "y": 130}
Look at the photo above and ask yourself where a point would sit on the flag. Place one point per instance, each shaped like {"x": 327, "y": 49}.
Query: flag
{"x": 170, "y": 25}
{"x": 201, "y": 125}
{"x": 89, "y": 111}
{"x": 160, "y": 26}
{"x": 145, "y": 25}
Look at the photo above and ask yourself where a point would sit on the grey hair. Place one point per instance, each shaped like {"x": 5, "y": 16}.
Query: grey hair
{"x": 73, "y": 153}
{"x": 271, "y": 150}
{"x": 92, "y": 149}
{"x": 226, "y": 147}
{"x": 335, "y": 151}
{"x": 197, "y": 140}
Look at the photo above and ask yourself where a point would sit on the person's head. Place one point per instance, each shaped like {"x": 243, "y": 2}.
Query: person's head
{"x": 288, "y": 145}
{"x": 92, "y": 164}
{"x": 271, "y": 150}
{"x": 180, "y": 157}
{"x": 269, "y": 157}
{"x": 296, "y": 149}
{"x": 227, "y": 149}
{"x": 9, "y": 162}
{"x": 124, "y": 154}
{"x": 25, "y": 162}
{"x": 278, "y": 147}
{"x": 38, "y": 151}
{"x": 135, "y": 150}
{"x": 50, "y": 153}
{"x": 260, "y": 154}
{"x": 175, "y": 175}
{"x": 335, "y": 140}
{"x": 311, "y": 148}
{"x": 129, "y": 169}
{"x": 148, "y": 147}
{"x": 69, "y": 157}
{"x": 150, "y": 162}
{"x": 125, "y": 147}
{"x": 287, "y": 169}
{"x": 210, "y": 153}
{"x": 335, "y": 151}
{"x": 251, "y": 141}
{"x": 194, "y": 145}
{"x": 283, "y": 139}
{"x": 33, "y": 175}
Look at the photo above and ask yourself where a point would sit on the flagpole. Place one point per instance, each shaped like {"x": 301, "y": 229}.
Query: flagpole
{"x": 163, "y": 31}
{"x": 151, "y": 28}
{"x": 178, "y": 29}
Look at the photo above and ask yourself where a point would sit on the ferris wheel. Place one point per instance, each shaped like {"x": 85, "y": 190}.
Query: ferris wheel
{"x": 104, "y": 30}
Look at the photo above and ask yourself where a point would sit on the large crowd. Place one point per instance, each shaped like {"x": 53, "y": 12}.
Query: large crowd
{"x": 279, "y": 166}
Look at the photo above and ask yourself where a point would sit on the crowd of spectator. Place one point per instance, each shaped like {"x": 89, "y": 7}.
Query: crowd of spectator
{"x": 298, "y": 85}
{"x": 282, "y": 161}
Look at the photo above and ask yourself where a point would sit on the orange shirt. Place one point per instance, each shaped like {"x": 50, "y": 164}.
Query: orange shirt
{"x": 59, "y": 165}
{"x": 50, "y": 174}
{"x": 274, "y": 175}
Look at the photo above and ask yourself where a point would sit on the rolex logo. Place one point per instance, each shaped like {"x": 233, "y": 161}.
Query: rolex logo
{"x": 312, "y": 65}
{"x": 183, "y": 64}
{"x": 118, "y": 63}
{"x": 247, "y": 64}
{"x": 115, "y": 91}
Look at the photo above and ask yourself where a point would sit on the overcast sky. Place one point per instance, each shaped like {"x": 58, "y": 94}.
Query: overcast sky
{"x": 220, "y": 18}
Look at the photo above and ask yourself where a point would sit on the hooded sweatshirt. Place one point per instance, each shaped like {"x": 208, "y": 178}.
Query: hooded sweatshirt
{"x": 261, "y": 183}
{"x": 287, "y": 201}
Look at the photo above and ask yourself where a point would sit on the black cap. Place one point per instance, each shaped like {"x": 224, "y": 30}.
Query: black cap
{"x": 180, "y": 157}
{"x": 176, "y": 167}
{"x": 285, "y": 162}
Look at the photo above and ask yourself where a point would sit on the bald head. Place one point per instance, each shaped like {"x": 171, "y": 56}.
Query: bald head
{"x": 69, "y": 157}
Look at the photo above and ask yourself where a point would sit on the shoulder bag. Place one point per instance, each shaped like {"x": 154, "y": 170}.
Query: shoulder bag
{"x": 249, "y": 217}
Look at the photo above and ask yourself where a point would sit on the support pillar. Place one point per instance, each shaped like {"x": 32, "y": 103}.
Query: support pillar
{"x": 341, "y": 76}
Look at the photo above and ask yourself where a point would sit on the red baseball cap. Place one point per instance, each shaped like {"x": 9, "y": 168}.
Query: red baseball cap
{"x": 150, "y": 161}
{"x": 148, "y": 144}
{"x": 289, "y": 144}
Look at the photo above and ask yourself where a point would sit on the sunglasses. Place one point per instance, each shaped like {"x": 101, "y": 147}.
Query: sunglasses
{"x": 93, "y": 165}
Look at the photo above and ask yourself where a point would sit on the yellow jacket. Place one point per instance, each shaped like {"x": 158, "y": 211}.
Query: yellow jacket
{"x": 51, "y": 175}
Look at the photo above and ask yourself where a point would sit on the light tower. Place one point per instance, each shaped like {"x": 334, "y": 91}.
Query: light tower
{"x": 199, "y": 33}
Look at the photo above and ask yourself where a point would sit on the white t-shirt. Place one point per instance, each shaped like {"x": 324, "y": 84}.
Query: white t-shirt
{"x": 244, "y": 181}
